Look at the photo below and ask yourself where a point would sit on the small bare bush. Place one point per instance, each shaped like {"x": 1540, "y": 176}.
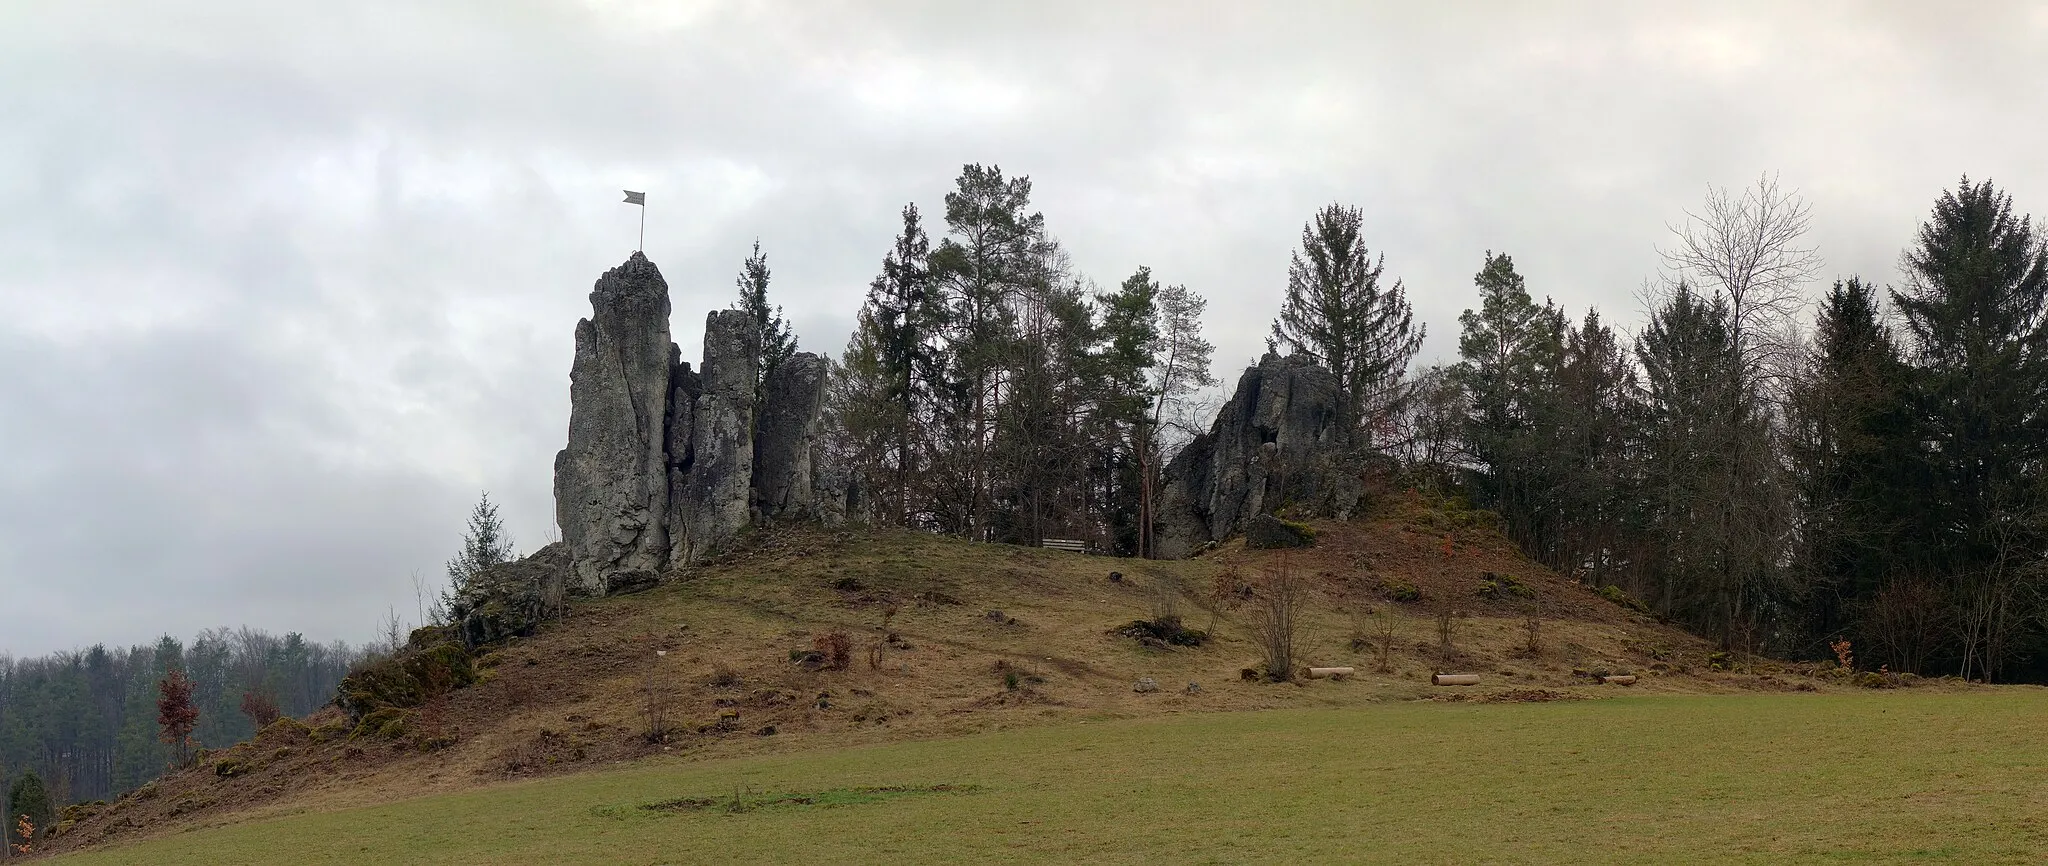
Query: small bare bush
{"x": 835, "y": 650}
{"x": 1382, "y": 635}
{"x": 657, "y": 700}
{"x": 1532, "y": 635}
{"x": 1276, "y": 621}
{"x": 1449, "y": 622}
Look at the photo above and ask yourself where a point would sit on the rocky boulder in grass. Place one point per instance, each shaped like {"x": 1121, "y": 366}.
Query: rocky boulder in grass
{"x": 1267, "y": 532}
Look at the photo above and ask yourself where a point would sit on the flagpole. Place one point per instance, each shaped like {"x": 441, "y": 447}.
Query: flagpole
{"x": 639, "y": 198}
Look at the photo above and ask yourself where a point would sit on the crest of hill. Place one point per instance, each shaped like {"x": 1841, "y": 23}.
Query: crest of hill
{"x": 945, "y": 637}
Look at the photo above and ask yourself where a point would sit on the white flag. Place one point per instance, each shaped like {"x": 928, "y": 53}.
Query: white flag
{"x": 639, "y": 198}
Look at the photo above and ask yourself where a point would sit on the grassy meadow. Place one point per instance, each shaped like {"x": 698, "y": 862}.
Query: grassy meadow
{"x": 1898, "y": 776}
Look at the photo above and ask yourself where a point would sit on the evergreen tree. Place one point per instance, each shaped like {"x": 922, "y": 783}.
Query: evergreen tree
{"x": 1512, "y": 351}
{"x": 1715, "y": 511}
{"x": 1130, "y": 330}
{"x": 1336, "y": 312}
{"x": 995, "y": 249}
{"x": 776, "y": 341}
{"x": 1975, "y": 307}
{"x": 887, "y": 376}
{"x": 28, "y": 797}
{"x": 1855, "y": 460}
{"x": 484, "y": 544}
{"x": 1598, "y": 494}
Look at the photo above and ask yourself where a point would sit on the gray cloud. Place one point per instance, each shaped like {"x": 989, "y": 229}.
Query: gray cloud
{"x": 283, "y": 285}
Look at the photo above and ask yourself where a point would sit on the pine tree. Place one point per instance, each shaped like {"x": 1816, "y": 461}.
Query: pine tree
{"x": 887, "y": 375}
{"x": 1130, "y": 330}
{"x": 1716, "y": 507}
{"x": 1337, "y": 313}
{"x": 1512, "y": 351}
{"x": 995, "y": 249}
{"x": 776, "y": 340}
{"x": 29, "y": 798}
{"x": 1975, "y": 307}
{"x": 1855, "y": 460}
{"x": 484, "y": 544}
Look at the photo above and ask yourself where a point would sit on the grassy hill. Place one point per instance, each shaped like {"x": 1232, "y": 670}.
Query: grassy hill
{"x": 947, "y": 639}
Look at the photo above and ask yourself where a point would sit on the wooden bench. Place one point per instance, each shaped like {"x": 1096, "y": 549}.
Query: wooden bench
{"x": 1070, "y": 545}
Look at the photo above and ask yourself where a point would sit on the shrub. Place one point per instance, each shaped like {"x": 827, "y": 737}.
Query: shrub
{"x": 1162, "y": 632}
{"x": 1016, "y": 676}
{"x": 1268, "y": 532}
{"x": 413, "y": 676}
{"x": 1276, "y": 621}
{"x": 1496, "y": 586}
{"x": 657, "y": 698}
{"x": 1618, "y": 596}
{"x": 835, "y": 650}
{"x": 260, "y": 707}
{"x": 1401, "y": 591}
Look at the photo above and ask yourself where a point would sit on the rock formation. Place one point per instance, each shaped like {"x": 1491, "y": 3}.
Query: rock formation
{"x": 665, "y": 463}
{"x": 787, "y": 437}
{"x": 718, "y": 468}
{"x": 1275, "y": 443}
{"x": 611, "y": 490}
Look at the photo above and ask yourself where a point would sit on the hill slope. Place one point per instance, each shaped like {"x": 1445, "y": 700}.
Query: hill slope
{"x": 977, "y": 637}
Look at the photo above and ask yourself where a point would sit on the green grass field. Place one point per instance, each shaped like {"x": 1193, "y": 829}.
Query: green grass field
{"x": 1894, "y": 776}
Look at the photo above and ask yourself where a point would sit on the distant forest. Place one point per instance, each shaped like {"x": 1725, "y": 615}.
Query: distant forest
{"x": 86, "y": 722}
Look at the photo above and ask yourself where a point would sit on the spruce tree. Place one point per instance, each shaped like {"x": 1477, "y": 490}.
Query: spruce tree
{"x": 1512, "y": 350}
{"x": 777, "y": 342}
{"x": 1855, "y": 460}
{"x": 1337, "y": 313}
{"x": 29, "y": 798}
{"x": 484, "y": 544}
{"x": 887, "y": 376}
{"x": 1975, "y": 306}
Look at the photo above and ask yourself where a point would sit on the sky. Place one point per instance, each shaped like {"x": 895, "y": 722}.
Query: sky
{"x": 284, "y": 286}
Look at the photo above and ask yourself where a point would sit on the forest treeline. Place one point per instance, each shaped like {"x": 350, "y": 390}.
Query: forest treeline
{"x": 1776, "y": 458}
{"x": 85, "y": 722}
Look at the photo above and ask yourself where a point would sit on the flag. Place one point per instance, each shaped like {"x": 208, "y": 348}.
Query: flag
{"x": 639, "y": 198}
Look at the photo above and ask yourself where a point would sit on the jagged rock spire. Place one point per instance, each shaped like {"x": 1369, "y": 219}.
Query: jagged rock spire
{"x": 665, "y": 463}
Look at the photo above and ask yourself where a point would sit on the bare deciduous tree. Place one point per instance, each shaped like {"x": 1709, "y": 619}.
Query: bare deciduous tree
{"x": 1276, "y": 620}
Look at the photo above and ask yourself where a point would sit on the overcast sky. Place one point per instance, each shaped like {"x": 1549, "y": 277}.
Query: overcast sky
{"x": 283, "y": 286}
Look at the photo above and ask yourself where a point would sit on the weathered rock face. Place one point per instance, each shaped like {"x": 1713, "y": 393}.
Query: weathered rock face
{"x": 786, "y": 438}
{"x": 713, "y": 500}
{"x": 661, "y": 466}
{"x": 1275, "y": 443}
{"x": 611, "y": 487}
{"x": 511, "y": 598}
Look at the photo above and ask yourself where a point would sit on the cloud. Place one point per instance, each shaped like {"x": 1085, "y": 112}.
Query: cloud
{"x": 284, "y": 285}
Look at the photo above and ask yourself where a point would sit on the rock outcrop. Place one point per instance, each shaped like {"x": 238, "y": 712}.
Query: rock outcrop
{"x": 713, "y": 500}
{"x": 611, "y": 489}
{"x": 661, "y": 464}
{"x": 786, "y": 438}
{"x": 1277, "y": 442}
{"x": 510, "y": 598}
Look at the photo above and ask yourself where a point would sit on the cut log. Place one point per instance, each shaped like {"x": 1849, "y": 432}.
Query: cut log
{"x": 1330, "y": 673}
{"x": 1454, "y": 679}
{"x": 1620, "y": 680}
